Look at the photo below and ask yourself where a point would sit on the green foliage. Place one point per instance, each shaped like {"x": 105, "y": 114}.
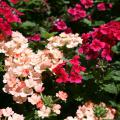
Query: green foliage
{"x": 101, "y": 81}
{"x": 48, "y": 101}
{"x": 100, "y": 111}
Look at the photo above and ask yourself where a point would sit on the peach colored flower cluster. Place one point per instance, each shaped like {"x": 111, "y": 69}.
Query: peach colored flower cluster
{"x": 86, "y": 112}
{"x": 9, "y": 114}
{"x": 62, "y": 95}
{"x": 69, "y": 40}
{"x": 45, "y": 111}
{"x": 24, "y": 67}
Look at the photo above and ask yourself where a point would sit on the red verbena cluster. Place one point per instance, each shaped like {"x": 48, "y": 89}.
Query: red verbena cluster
{"x": 73, "y": 76}
{"x": 99, "y": 42}
{"x": 14, "y": 1}
{"x": 8, "y": 15}
{"x": 104, "y": 6}
{"x": 79, "y": 11}
{"x": 60, "y": 25}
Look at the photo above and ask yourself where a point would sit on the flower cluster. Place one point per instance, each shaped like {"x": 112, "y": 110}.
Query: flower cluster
{"x": 104, "y": 6}
{"x": 60, "y": 25}
{"x": 23, "y": 68}
{"x": 54, "y": 108}
{"x": 8, "y": 15}
{"x": 9, "y": 114}
{"x": 99, "y": 42}
{"x": 91, "y": 111}
{"x": 81, "y": 10}
{"x": 77, "y": 12}
{"x": 35, "y": 37}
{"x": 73, "y": 76}
{"x": 69, "y": 40}
{"x": 23, "y": 77}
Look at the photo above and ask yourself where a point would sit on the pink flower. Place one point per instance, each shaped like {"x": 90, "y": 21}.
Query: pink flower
{"x": 60, "y": 25}
{"x": 14, "y": 1}
{"x": 34, "y": 99}
{"x": 10, "y": 15}
{"x": 35, "y": 37}
{"x": 87, "y": 3}
{"x": 110, "y": 5}
{"x": 7, "y": 112}
{"x": 77, "y": 12}
{"x": 44, "y": 112}
{"x": 75, "y": 60}
{"x": 1, "y": 113}
{"x": 68, "y": 30}
{"x": 56, "y": 108}
{"x": 16, "y": 116}
{"x": 40, "y": 104}
{"x": 101, "y": 6}
{"x": 62, "y": 74}
{"x": 75, "y": 77}
{"x": 62, "y": 95}
{"x": 97, "y": 45}
{"x": 39, "y": 88}
{"x": 106, "y": 53}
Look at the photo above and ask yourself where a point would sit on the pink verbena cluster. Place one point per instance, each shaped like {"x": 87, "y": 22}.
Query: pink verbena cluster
{"x": 81, "y": 9}
{"x": 73, "y": 76}
{"x": 35, "y": 37}
{"x": 77, "y": 12}
{"x": 104, "y": 6}
{"x": 99, "y": 42}
{"x": 60, "y": 25}
{"x": 8, "y": 15}
{"x": 23, "y": 77}
{"x": 9, "y": 114}
{"x": 87, "y": 112}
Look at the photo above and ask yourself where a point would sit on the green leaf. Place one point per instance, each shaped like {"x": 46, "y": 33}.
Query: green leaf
{"x": 47, "y": 100}
{"x": 28, "y": 24}
{"x": 117, "y": 19}
{"x": 88, "y": 77}
{"x": 79, "y": 99}
{"x": 110, "y": 88}
{"x": 116, "y": 48}
{"x": 98, "y": 23}
{"x": 45, "y": 34}
{"x": 86, "y": 21}
{"x": 113, "y": 75}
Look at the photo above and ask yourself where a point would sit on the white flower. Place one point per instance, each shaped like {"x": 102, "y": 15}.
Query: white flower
{"x": 44, "y": 112}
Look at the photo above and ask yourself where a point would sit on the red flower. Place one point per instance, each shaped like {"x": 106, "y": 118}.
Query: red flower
{"x": 14, "y": 1}
{"x": 8, "y": 15}
{"x": 61, "y": 73}
{"x": 77, "y": 12}
{"x": 101, "y": 6}
{"x": 75, "y": 77}
{"x": 35, "y": 37}
{"x": 60, "y": 25}
{"x": 75, "y": 60}
{"x": 68, "y": 30}
{"x": 106, "y": 53}
{"x": 97, "y": 45}
{"x": 87, "y": 3}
